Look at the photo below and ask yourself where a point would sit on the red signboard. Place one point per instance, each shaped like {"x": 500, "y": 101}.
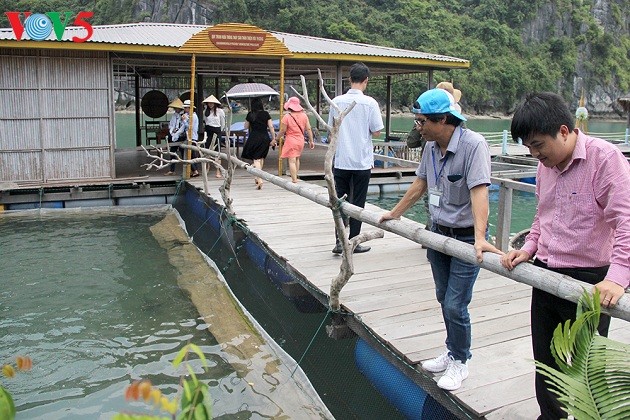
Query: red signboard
{"x": 232, "y": 40}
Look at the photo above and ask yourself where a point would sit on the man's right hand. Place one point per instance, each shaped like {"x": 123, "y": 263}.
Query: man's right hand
{"x": 514, "y": 258}
{"x": 387, "y": 216}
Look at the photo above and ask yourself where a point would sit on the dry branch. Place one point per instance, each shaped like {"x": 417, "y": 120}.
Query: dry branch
{"x": 206, "y": 156}
{"x": 551, "y": 282}
{"x": 346, "y": 269}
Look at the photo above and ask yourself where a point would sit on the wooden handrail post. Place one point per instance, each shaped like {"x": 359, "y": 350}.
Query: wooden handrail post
{"x": 504, "y": 216}
{"x": 504, "y": 143}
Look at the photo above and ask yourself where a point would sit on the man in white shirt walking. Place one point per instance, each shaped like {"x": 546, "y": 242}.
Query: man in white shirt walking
{"x": 354, "y": 157}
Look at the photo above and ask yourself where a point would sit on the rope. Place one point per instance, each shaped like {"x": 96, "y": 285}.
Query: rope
{"x": 342, "y": 312}
{"x": 311, "y": 343}
{"x": 235, "y": 252}
{"x": 338, "y": 204}
{"x": 179, "y": 185}
{"x": 232, "y": 220}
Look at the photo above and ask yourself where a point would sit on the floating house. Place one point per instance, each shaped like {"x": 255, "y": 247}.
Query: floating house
{"x": 57, "y": 121}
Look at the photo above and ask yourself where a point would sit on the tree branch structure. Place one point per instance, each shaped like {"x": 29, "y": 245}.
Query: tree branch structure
{"x": 165, "y": 157}
{"x": 346, "y": 269}
{"x": 208, "y": 156}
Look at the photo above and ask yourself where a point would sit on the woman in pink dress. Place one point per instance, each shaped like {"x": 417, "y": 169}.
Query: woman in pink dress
{"x": 293, "y": 126}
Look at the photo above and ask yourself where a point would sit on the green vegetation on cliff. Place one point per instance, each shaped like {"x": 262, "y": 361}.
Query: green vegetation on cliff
{"x": 514, "y": 46}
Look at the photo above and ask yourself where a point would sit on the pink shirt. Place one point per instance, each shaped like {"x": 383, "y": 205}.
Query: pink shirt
{"x": 583, "y": 214}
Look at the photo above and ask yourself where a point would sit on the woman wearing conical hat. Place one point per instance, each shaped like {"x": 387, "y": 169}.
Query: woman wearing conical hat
{"x": 175, "y": 126}
{"x": 214, "y": 120}
{"x": 457, "y": 94}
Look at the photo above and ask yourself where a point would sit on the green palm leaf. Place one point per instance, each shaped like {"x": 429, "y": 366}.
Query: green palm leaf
{"x": 594, "y": 377}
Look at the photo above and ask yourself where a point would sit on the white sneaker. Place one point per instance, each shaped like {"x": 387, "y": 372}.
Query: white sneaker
{"x": 438, "y": 364}
{"x": 455, "y": 373}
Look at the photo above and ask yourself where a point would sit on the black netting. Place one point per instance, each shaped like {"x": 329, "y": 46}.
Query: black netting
{"x": 342, "y": 371}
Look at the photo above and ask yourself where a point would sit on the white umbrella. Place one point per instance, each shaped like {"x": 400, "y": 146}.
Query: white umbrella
{"x": 251, "y": 90}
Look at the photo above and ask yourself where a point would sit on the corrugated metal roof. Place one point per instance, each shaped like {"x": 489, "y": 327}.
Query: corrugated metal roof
{"x": 175, "y": 35}
{"x": 312, "y": 45}
{"x": 144, "y": 33}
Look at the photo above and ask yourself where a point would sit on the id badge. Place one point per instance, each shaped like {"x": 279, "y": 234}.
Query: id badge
{"x": 434, "y": 197}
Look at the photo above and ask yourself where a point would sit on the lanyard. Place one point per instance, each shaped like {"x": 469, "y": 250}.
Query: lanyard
{"x": 438, "y": 174}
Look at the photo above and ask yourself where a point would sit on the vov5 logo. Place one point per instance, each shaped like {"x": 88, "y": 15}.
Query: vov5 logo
{"x": 38, "y": 26}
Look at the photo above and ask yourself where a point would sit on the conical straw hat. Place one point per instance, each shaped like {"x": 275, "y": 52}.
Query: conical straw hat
{"x": 177, "y": 103}
{"x": 212, "y": 100}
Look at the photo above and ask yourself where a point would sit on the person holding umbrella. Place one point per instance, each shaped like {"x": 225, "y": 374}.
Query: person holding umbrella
{"x": 261, "y": 135}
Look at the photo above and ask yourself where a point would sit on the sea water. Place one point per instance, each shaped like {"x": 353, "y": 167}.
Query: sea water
{"x": 126, "y": 138}
{"x": 92, "y": 298}
{"x": 523, "y": 209}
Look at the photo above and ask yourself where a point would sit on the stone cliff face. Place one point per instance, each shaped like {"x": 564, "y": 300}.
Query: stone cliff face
{"x": 192, "y": 12}
{"x": 555, "y": 19}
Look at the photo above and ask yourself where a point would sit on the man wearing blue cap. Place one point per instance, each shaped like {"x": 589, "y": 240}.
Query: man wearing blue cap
{"x": 455, "y": 170}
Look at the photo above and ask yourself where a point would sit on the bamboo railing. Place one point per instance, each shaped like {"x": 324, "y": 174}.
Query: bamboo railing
{"x": 526, "y": 273}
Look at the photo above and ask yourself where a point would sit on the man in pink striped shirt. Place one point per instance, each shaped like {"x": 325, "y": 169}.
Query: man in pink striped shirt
{"x": 582, "y": 223}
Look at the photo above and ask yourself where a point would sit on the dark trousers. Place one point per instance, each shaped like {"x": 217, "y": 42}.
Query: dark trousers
{"x": 547, "y": 311}
{"x": 174, "y": 149}
{"x": 181, "y": 152}
{"x": 216, "y": 131}
{"x": 354, "y": 183}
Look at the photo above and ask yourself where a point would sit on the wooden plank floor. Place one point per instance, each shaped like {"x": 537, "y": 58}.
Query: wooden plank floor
{"x": 392, "y": 291}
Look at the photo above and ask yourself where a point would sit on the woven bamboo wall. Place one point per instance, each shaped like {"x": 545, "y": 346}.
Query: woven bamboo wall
{"x": 56, "y": 117}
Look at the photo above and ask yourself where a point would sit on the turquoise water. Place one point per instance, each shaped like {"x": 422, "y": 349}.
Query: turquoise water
{"x": 523, "y": 205}
{"x": 126, "y": 137}
{"x": 94, "y": 301}
{"x": 328, "y": 363}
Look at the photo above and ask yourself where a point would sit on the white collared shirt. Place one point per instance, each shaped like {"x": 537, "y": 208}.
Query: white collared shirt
{"x": 354, "y": 145}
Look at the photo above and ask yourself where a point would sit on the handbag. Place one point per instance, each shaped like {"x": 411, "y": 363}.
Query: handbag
{"x": 414, "y": 139}
{"x": 299, "y": 126}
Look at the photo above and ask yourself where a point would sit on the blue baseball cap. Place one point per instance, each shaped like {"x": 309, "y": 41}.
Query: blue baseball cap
{"x": 436, "y": 101}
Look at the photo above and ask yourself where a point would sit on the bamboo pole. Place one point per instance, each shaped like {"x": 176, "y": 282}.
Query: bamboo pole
{"x": 281, "y": 143}
{"x": 191, "y": 111}
{"x": 557, "y": 284}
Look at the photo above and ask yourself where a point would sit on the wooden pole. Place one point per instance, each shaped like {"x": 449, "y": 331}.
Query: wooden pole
{"x": 137, "y": 112}
{"x": 191, "y": 112}
{"x": 281, "y": 143}
{"x": 388, "y": 109}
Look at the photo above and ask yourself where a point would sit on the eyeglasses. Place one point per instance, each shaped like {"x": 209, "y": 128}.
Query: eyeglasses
{"x": 420, "y": 122}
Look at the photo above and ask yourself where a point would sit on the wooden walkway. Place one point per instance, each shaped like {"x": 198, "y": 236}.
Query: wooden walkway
{"x": 392, "y": 291}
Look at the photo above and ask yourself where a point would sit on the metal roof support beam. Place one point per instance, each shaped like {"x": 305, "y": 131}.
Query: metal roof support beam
{"x": 338, "y": 81}
{"x": 190, "y": 115}
{"x": 280, "y": 117}
{"x": 199, "y": 109}
{"x": 136, "y": 78}
{"x": 388, "y": 107}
